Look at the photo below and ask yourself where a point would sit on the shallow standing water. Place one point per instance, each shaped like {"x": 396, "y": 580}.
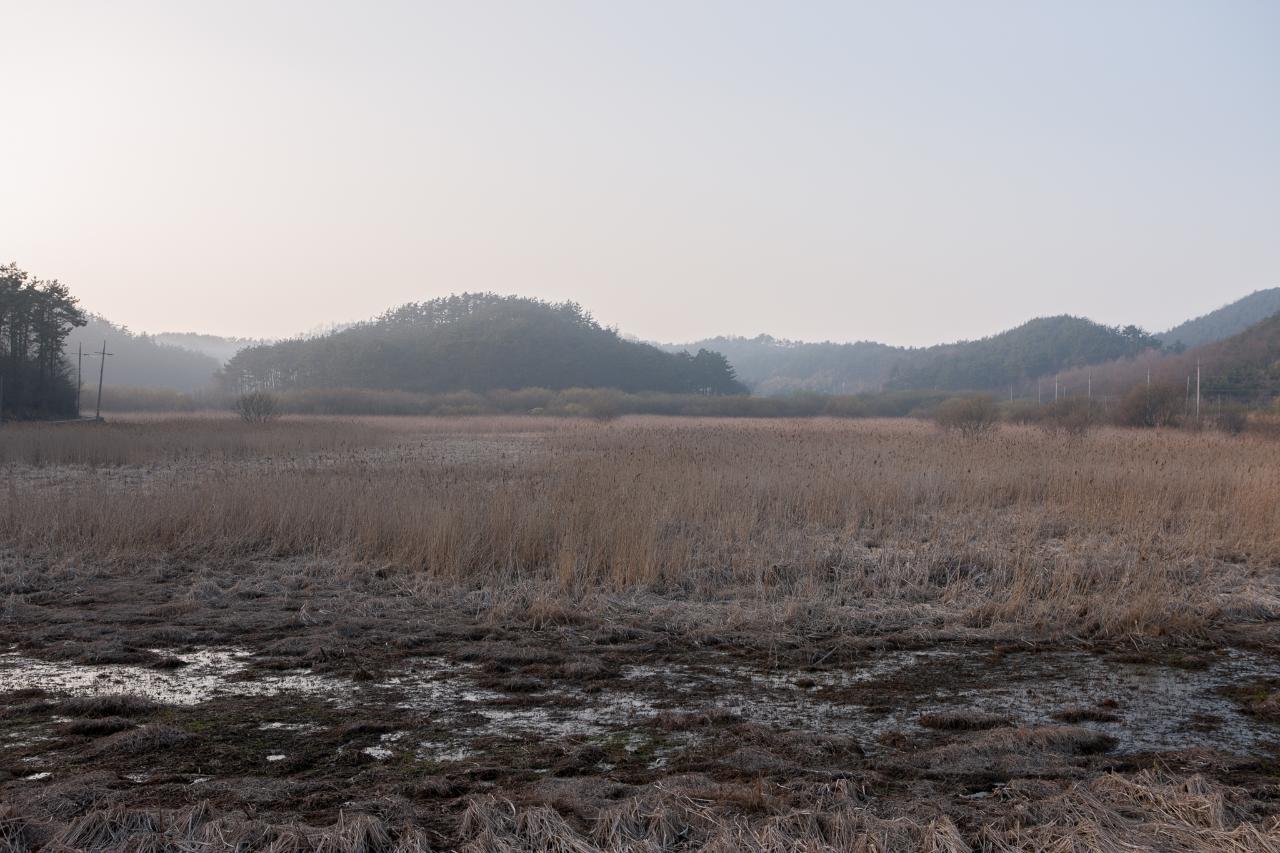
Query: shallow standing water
{"x": 1155, "y": 707}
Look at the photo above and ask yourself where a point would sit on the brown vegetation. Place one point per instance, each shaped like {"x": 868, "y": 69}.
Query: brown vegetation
{"x": 969, "y": 416}
{"x": 705, "y": 598}
{"x": 1125, "y": 532}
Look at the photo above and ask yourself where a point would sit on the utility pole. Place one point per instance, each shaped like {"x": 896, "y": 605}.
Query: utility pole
{"x": 1197, "y": 389}
{"x": 1055, "y": 389}
{"x": 102, "y": 372}
{"x": 79, "y": 372}
{"x": 1090, "y": 385}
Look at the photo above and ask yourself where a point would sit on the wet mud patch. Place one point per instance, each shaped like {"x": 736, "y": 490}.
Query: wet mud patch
{"x": 197, "y": 676}
{"x": 425, "y": 735}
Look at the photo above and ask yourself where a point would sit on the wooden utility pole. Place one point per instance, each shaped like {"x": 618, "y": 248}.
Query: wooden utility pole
{"x": 102, "y": 372}
{"x": 1197, "y": 389}
{"x": 79, "y": 374}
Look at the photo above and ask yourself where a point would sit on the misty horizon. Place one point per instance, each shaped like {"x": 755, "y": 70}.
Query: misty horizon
{"x": 330, "y": 327}
{"x": 907, "y": 174}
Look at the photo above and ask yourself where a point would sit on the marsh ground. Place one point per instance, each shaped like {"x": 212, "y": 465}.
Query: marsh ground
{"x": 650, "y": 634}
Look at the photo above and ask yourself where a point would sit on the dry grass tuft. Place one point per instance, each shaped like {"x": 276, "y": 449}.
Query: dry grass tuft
{"x": 17, "y": 834}
{"x": 107, "y": 705}
{"x": 151, "y": 738}
{"x": 1151, "y": 811}
{"x": 962, "y": 721}
{"x": 97, "y": 726}
{"x": 109, "y": 829}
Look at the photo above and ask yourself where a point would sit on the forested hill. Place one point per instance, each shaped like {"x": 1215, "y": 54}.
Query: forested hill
{"x": 139, "y": 360}
{"x": 1244, "y": 368}
{"x": 1038, "y": 348}
{"x": 478, "y": 342}
{"x": 1225, "y": 321}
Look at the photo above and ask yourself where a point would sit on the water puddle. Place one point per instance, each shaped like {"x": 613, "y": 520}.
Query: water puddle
{"x": 1154, "y": 707}
{"x": 1151, "y": 708}
{"x": 206, "y": 674}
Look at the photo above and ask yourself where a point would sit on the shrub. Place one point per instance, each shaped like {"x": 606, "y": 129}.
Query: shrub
{"x": 847, "y": 406}
{"x": 1023, "y": 412}
{"x": 1158, "y": 405}
{"x": 1232, "y": 419}
{"x": 1073, "y": 416}
{"x": 256, "y": 407}
{"x": 970, "y": 416}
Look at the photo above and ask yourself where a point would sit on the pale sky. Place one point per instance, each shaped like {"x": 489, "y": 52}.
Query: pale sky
{"x": 899, "y": 171}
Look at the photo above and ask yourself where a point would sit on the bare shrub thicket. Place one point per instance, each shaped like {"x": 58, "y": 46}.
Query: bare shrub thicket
{"x": 1156, "y": 405}
{"x": 257, "y": 407}
{"x": 1120, "y": 534}
{"x": 1231, "y": 418}
{"x": 1073, "y": 416}
{"x": 970, "y": 416}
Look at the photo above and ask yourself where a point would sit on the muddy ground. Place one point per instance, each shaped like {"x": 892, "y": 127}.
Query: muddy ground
{"x": 295, "y": 705}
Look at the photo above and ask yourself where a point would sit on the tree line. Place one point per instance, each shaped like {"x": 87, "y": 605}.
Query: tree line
{"x": 36, "y": 316}
{"x": 478, "y": 342}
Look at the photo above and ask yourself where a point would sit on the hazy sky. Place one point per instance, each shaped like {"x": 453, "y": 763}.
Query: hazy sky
{"x": 907, "y": 172}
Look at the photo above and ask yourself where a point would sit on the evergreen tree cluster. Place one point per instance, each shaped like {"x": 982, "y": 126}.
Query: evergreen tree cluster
{"x": 35, "y": 318}
{"x": 478, "y": 342}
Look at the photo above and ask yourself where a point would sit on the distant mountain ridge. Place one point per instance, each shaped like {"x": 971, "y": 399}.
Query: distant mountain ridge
{"x": 215, "y": 346}
{"x": 1222, "y": 323}
{"x": 1018, "y": 356}
{"x": 467, "y": 347}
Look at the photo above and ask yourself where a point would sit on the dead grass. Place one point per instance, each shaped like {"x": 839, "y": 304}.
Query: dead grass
{"x": 963, "y": 721}
{"x": 97, "y": 726}
{"x": 848, "y": 525}
{"x": 1148, "y": 812}
{"x": 150, "y": 738}
{"x": 142, "y": 440}
{"x": 107, "y": 705}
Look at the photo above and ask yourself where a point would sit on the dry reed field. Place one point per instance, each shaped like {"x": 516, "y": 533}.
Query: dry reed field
{"x": 659, "y": 634}
{"x": 1122, "y": 533}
